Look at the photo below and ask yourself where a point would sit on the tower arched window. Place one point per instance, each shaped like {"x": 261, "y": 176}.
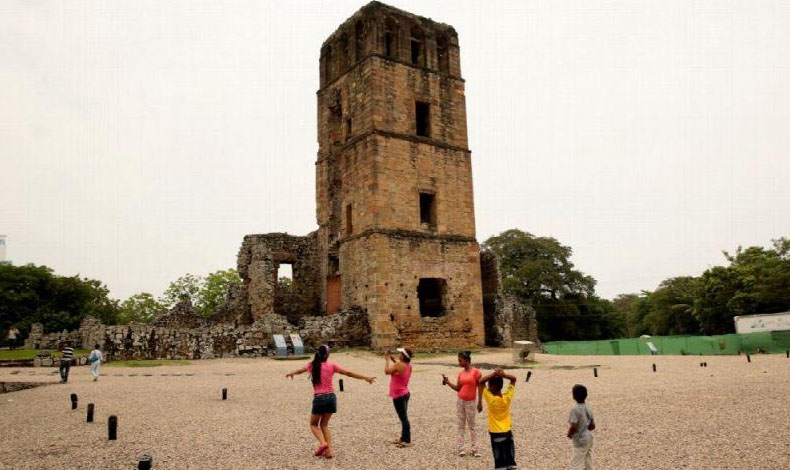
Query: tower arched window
{"x": 443, "y": 53}
{"x": 343, "y": 53}
{"x": 390, "y": 38}
{"x": 328, "y": 64}
{"x": 417, "y": 42}
{"x": 359, "y": 41}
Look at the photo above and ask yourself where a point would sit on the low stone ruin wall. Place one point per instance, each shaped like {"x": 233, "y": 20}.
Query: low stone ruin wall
{"x": 143, "y": 341}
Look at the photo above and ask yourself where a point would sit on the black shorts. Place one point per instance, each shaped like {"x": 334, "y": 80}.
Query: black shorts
{"x": 324, "y": 403}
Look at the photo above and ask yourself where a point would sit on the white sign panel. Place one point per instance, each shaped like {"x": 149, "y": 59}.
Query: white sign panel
{"x": 758, "y": 323}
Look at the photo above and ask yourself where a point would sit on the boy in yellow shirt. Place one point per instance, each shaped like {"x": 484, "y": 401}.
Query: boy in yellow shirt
{"x": 499, "y": 427}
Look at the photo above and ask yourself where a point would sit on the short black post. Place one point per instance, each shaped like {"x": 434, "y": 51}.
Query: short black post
{"x": 748, "y": 358}
{"x": 112, "y": 428}
{"x": 700, "y": 364}
{"x": 146, "y": 462}
{"x": 595, "y": 372}
{"x": 529, "y": 374}
{"x": 787, "y": 354}
{"x": 224, "y": 393}
{"x": 654, "y": 367}
{"x": 341, "y": 385}
{"x": 705, "y": 363}
{"x": 73, "y": 401}
{"x": 90, "y": 413}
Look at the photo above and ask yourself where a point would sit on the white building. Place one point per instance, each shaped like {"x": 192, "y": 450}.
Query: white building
{"x": 2, "y": 249}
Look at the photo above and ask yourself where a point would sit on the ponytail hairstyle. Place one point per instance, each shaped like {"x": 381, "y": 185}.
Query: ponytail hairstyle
{"x": 321, "y": 355}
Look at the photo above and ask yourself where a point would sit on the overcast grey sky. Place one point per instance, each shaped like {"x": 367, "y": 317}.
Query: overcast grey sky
{"x": 141, "y": 140}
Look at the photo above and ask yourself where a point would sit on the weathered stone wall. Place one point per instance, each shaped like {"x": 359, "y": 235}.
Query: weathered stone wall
{"x": 260, "y": 258}
{"x": 37, "y": 339}
{"x": 141, "y": 341}
{"x": 507, "y": 319}
{"x": 373, "y": 166}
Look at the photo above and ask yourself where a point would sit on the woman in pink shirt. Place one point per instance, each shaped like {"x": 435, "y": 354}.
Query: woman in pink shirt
{"x": 467, "y": 388}
{"x": 324, "y": 399}
{"x": 400, "y": 373}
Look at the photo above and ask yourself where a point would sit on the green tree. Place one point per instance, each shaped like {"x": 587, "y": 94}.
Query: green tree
{"x": 214, "y": 290}
{"x": 186, "y": 286}
{"x": 30, "y": 294}
{"x": 539, "y": 270}
{"x": 756, "y": 281}
{"x": 632, "y": 308}
{"x": 141, "y": 308}
{"x": 672, "y": 307}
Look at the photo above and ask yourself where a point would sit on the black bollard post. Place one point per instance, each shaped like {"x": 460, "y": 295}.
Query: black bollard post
{"x": 90, "y": 413}
{"x": 341, "y": 385}
{"x": 146, "y": 462}
{"x": 700, "y": 364}
{"x": 787, "y": 354}
{"x": 748, "y": 358}
{"x": 654, "y": 367}
{"x": 224, "y": 393}
{"x": 706, "y": 363}
{"x": 112, "y": 428}
{"x": 73, "y": 401}
{"x": 529, "y": 374}
{"x": 595, "y": 372}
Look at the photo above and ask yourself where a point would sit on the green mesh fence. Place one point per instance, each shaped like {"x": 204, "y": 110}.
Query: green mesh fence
{"x": 769, "y": 342}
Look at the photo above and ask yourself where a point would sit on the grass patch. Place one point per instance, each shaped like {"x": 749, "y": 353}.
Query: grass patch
{"x": 31, "y": 353}
{"x": 146, "y": 363}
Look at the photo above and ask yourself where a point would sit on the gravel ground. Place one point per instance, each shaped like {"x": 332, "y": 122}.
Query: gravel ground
{"x": 732, "y": 414}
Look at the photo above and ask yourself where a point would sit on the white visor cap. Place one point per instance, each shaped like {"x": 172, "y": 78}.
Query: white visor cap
{"x": 403, "y": 351}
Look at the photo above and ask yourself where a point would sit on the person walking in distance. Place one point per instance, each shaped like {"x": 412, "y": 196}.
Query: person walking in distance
{"x": 400, "y": 372}
{"x": 96, "y": 358}
{"x": 467, "y": 388}
{"x": 324, "y": 399}
{"x": 66, "y": 355}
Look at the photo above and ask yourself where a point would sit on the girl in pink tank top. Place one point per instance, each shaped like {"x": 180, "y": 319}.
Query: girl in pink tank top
{"x": 400, "y": 373}
{"x": 324, "y": 399}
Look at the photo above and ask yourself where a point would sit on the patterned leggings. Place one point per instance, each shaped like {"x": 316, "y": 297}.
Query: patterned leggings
{"x": 467, "y": 414}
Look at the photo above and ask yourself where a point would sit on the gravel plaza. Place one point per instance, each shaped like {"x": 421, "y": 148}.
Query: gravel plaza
{"x": 729, "y": 415}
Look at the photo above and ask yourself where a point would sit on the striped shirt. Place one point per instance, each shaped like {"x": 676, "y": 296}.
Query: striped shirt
{"x": 67, "y": 353}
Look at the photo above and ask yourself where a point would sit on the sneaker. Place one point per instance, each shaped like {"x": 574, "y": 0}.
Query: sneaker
{"x": 477, "y": 454}
{"x": 404, "y": 444}
{"x": 461, "y": 453}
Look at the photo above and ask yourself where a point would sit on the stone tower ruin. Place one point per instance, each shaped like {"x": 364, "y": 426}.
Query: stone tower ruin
{"x": 395, "y": 259}
{"x": 394, "y": 181}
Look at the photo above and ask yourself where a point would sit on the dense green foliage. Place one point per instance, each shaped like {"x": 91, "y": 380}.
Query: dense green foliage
{"x": 539, "y": 270}
{"x": 757, "y": 280}
{"x": 141, "y": 308}
{"x": 30, "y": 294}
{"x": 206, "y": 293}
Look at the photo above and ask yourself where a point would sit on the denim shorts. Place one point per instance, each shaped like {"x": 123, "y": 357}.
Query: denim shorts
{"x": 324, "y": 403}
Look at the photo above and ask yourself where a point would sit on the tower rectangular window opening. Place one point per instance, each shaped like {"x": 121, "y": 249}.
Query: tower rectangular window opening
{"x": 423, "y": 118}
{"x": 415, "y": 51}
{"x": 389, "y": 39}
{"x": 428, "y": 209}
{"x": 348, "y": 127}
{"x": 285, "y": 276}
{"x": 431, "y": 293}
{"x": 349, "y": 221}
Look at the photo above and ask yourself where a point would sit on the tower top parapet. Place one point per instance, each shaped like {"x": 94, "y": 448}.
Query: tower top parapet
{"x": 379, "y": 30}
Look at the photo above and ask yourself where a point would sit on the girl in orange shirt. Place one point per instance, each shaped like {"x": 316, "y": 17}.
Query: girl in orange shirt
{"x": 468, "y": 393}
